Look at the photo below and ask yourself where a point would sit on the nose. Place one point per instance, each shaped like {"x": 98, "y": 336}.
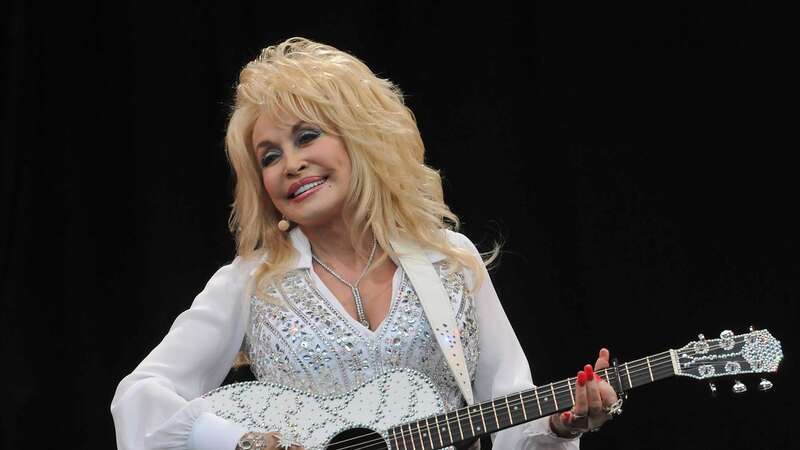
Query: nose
{"x": 295, "y": 163}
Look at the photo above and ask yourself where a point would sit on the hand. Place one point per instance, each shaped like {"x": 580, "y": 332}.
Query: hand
{"x": 593, "y": 397}
{"x": 265, "y": 441}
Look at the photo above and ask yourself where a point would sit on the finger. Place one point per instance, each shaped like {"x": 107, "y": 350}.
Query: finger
{"x": 581, "y": 405}
{"x": 592, "y": 393}
{"x": 607, "y": 394}
{"x": 561, "y": 422}
{"x": 602, "y": 359}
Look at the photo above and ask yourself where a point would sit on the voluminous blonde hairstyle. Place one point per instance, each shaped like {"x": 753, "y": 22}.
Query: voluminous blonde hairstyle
{"x": 392, "y": 191}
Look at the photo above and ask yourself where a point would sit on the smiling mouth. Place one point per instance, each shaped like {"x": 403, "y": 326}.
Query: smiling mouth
{"x": 307, "y": 187}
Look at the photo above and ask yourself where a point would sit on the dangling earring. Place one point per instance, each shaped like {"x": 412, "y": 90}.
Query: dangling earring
{"x": 283, "y": 224}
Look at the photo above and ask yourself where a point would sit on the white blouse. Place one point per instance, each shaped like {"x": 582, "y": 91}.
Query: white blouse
{"x": 158, "y": 405}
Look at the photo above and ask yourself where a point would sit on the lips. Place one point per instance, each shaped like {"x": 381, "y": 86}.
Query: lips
{"x": 297, "y": 185}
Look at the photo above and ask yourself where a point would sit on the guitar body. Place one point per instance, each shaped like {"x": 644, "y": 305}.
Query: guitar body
{"x": 329, "y": 423}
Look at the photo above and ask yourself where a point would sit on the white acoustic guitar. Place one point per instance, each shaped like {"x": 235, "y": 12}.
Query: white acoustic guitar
{"x": 401, "y": 410}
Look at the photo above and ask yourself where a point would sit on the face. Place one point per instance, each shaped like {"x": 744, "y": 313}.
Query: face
{"x": 305, "y": 171}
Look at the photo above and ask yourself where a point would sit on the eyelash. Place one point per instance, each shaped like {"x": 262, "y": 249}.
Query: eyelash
{"x": 272, "y": 155}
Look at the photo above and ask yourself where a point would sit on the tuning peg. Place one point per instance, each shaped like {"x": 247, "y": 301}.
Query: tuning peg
{"x": 713, "y": 388}
{"x": 764, "y": 385}
{"x": 726, "y": 340}
{"x": 752, "y": 328}
{"x": 739, "y": 387}
{"x": 701, "y": 346}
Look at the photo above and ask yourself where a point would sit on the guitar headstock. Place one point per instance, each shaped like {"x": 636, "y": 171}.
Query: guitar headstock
{"x": 754, "y": 352}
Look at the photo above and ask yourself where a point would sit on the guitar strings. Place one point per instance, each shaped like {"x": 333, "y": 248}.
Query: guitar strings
{"x": 656, "y": 362}
{"x": 502, "y": 417}
{"x": 416, "y": 434}
{"x": 632, "y": 369}
{"x": 501, "y": 413}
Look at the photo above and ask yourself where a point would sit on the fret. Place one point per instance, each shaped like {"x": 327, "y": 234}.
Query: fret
{"x": 394, "y": 433}
{"x": 628, "y": 372}
{"x": 471, "y": 428}
{"x": 497, "y": 422}
{"x": 663, "y": 367}
{"x": 639, "y": 374}
{"x": 439, "y": 430}
{"x": 564, "y": 396}
{"x": 671, "y": 365}
{"x": 569, "y": 388}
{"x": 546, "y": 400}
{"x": 555, "y": 401}
{"x": 522, "y": 402}
{"x": 447, "y": 421}
{"x": 430, "y": 435}
{"x": 458, "y": 421}
{"x": 650, "y": 369}
{"x": 421, "y": 442}
{"x": 508, "y": 407}
{"x": 483, "y": 422}
{"x": 538, "y": 403}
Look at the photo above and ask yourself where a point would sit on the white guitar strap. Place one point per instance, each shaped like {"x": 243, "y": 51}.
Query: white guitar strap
{"x": 436, "y": 304}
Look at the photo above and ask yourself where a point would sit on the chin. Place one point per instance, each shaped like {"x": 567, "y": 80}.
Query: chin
{"x": 320, "y": 219}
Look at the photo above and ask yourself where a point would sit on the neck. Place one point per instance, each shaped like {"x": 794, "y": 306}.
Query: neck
{"x": 332, "y": 245}
{"x": 493, "y": 415}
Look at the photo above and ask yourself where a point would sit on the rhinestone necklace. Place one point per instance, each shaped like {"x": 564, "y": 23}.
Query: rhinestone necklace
{"x": 356, "y": 293}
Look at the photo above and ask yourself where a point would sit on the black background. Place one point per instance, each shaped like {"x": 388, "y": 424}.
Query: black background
{"x": 636, "y": 157}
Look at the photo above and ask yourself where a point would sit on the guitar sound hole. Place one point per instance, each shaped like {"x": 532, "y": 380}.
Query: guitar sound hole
{"x": 357, "y": 439}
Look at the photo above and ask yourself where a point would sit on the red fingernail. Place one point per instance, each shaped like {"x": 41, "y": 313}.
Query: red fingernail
{"x": 581, "y": 378}
{"x": 589, "y": 372}
{"x": 566, "y": 417}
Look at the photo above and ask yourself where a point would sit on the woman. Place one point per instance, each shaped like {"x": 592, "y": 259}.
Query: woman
{"x": 329, "y": 169}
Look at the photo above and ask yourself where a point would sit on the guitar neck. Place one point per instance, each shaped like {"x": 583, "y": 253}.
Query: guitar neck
{"x": 514, "y": 409}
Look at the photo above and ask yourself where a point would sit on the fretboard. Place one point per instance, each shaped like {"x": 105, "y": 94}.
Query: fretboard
{"x": 494, "y": 415}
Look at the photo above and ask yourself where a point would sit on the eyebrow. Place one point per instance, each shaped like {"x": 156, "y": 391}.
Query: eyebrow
{"x": 268, "y": 143}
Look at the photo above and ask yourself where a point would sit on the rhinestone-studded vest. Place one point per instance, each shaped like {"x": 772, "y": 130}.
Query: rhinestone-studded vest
{"x": 296, "y": 337}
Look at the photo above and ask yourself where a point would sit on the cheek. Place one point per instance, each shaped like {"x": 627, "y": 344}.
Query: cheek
{"x": 269, "y": 184}
{"x": 342, "y": 162}
{"x": 347, "y": 169}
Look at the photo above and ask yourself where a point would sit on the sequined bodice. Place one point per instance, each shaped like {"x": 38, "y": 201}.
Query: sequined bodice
{"x": 298, "y": 338}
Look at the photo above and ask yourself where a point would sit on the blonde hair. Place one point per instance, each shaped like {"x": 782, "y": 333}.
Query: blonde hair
{"x": 392, "y": 191}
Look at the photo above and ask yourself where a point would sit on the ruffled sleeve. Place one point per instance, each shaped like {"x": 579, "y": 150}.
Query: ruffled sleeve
{"x": 158, "y": 405}
{"x": 502, "y": 366}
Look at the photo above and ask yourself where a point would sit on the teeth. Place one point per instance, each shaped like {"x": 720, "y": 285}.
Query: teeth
{"x": 308, "y": 186}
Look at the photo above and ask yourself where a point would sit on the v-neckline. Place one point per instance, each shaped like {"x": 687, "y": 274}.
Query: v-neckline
{"x": 327, "y": 296}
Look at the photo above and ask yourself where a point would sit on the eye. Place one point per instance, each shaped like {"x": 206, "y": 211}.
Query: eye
{"x": 306, "y": 136}
{"x": 269, "y": 157}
